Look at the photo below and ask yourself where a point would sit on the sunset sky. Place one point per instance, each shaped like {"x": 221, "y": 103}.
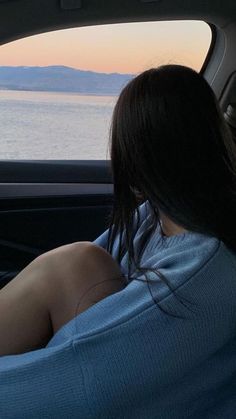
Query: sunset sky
{"x": 123, "y": 48}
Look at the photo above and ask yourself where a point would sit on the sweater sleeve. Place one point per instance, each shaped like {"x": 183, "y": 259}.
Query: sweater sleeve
{"x": 48, "y": 381}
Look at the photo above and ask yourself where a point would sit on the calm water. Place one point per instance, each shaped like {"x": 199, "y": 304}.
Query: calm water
{"x": 42, "y": 125}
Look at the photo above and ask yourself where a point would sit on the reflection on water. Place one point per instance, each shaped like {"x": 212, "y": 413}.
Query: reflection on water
{"x": 45, "y": 125}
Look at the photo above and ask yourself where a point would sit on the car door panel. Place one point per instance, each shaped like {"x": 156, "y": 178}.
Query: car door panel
{"x": 40, "y": 215}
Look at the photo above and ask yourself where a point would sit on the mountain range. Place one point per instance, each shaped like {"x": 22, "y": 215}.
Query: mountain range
{"x": 62, "y": 79}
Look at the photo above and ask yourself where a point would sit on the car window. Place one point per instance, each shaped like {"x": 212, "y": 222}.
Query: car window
{"x": 58, "y": 89}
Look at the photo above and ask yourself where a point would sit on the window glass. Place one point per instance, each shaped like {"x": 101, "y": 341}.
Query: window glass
{"x": 58, "y": 90}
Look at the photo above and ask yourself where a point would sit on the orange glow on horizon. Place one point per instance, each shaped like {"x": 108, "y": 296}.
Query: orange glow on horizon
{"x": 123, "y": 48}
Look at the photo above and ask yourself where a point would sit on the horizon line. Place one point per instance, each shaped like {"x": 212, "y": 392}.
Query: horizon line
{"x": 65, "y": 66}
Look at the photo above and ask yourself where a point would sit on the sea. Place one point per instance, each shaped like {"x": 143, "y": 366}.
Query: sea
{"x": 51, "y": 125}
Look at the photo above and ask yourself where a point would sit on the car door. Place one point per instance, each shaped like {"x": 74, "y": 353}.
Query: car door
{"x": 46, "y": 204}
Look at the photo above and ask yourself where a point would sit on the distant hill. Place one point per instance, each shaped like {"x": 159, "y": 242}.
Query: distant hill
{"x": 62, "y": 79}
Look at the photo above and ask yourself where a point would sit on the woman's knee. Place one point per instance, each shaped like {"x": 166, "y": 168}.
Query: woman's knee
{"x": 98, "y": 274}
{"x": 81, "y": 275}
{"x": 79, "y": 259}
{"x": 93, "y": 258}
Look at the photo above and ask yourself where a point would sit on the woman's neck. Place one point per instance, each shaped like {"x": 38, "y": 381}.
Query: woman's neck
{"x": 169, "y": 228}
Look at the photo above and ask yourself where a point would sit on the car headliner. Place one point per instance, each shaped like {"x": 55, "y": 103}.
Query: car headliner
{"x": 24, "y": 17}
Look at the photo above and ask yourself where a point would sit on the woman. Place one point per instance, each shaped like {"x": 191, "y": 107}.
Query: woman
{"x": 162, "y": 344}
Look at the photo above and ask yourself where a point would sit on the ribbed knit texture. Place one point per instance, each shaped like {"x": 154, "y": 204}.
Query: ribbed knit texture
{"x": 127, "y": 357}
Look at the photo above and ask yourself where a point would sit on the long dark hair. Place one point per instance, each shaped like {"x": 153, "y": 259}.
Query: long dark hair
{"x": 170, "y": 146}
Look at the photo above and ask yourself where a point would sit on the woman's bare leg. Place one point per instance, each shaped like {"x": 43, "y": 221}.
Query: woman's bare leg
{"x": 51, "y": 291}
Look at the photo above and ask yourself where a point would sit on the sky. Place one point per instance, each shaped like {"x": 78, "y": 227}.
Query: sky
{"x": 122, "y": 48}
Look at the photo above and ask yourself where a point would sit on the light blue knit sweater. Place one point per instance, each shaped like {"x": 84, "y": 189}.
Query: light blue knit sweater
{"x": 125, "y": 357}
